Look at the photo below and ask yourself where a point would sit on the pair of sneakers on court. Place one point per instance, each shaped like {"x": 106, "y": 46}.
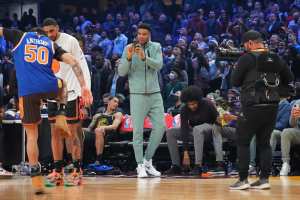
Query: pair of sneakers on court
{"x": 58, "y": 178}
{"x": 147, "y": 169}
{"x": 53, "y": 179}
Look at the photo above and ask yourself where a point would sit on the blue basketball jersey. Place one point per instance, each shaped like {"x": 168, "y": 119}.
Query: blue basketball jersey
{"x": 33, "y": 59}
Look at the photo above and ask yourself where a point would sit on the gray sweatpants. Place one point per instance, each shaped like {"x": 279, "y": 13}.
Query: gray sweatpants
{"x": 275, "y": 138}
{"x": 230, "y": 133}
{"x": 197, "y": 135}
{"x": 289, "y": 137}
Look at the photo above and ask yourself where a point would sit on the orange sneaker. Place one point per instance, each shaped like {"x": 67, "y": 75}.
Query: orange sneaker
{"x": 37, "y": 184}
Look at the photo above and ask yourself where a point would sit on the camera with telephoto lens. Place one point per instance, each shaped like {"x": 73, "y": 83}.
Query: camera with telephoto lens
{"x": 228, "y": 52}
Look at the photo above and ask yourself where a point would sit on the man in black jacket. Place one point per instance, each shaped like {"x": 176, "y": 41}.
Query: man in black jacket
{"x": 258, "y": 118}
{"x": 198, "y": 116}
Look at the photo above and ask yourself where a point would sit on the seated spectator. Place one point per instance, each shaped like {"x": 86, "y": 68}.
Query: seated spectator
{"x": 106, "y": 44}
{"x": 109, "y": 23}
{"x": 115, "y": 83}
{"x": 201, "y": 44}
{"x": 172, "y": 87}
{"x": 85, "y": 24}
{"x": 289, "y": 137}
{"x": 225, "y": 124}
{"x": 181, "y": 65}
{"x": 282, "y": 121}
{"x": 176, "y": 109}
{"x": 197, "y": 119}
{"x": 2, "y": 46}
{"x": 120, "y": 42}
{"x": 3, "y": 172}
{"x": 104, "y": 123}
{"x": 101, "y": 69}
{"x": 168, "y": 41}
{"x": 274, "y": 24}
{"x": 200, "y": 67}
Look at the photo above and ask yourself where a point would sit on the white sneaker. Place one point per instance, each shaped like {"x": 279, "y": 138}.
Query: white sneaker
{"x": 150, "y": 169}
{"x": 285, "y": 169}
{"x": 4, "y": 173}
{"x": 141, "y": 171}
{"x": 252, "y": 170}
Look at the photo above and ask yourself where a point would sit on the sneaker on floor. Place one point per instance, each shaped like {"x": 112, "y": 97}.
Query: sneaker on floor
{"x": 220, "y": 169}
{"x": 100, "y": 167}
{"x": 74, "y": 179}
{"x": 150, "y": 169}
{"x": 173, "y": 171}
{"x": 5, "y": 174}
{"x": 196, "y": 171}
{"x": 93, "y": 165}
{"x": 240, "y": 185}
{"x": 262, "y": 184}
{"x": 54, "y": 179}
{"x": 103, "y": 168}
{"x": 141, "y": 171}
{"x": 37, "y": 179}
{"x": 37, "y": 184}
{"x": 252, "y": 170}
{"x": 285, "y": 169}
{"x": 233, "y": 173}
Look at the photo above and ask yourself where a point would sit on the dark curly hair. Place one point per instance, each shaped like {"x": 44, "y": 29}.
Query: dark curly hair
{"x": 191, "y": 93}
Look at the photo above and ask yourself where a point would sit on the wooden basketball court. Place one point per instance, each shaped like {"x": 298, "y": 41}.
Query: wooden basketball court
{"x": 283, "y": 188}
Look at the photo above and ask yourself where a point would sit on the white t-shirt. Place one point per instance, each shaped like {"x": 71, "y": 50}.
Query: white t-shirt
{"x": 71, "y": 45}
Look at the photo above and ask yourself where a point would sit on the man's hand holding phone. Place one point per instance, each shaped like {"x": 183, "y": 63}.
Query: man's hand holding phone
{"x": 139, "y": 51}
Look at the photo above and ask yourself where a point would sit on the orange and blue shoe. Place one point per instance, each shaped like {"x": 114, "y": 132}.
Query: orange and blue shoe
{"x": 74, "y": 179}
{"x": 54, "y": 179}
{"x": 37, "y": 184}
{"x": 37, "y": 179}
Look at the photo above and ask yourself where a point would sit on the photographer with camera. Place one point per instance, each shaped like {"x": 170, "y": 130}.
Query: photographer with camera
{"x": 226, "y": 57}
{"x": 258, "y": 72}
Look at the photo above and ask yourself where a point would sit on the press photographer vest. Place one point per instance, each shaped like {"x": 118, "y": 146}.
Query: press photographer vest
{"x": 263, "y": 80}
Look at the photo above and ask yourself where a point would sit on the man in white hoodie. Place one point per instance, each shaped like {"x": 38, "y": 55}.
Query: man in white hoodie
{"x": 73, "y": 107}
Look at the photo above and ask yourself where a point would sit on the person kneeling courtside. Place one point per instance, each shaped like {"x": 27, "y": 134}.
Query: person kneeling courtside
{"x": 197, "y": 118}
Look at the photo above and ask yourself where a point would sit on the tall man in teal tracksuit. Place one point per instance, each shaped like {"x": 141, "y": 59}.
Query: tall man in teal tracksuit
{"x": 141, "y": 61}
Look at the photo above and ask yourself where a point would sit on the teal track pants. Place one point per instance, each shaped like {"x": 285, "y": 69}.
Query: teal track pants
{"x": 151, "y": 105}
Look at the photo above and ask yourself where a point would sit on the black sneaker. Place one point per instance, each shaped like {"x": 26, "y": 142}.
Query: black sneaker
{"x": 196, "y": 171}
{"x": 174, "y": 170}
{"x": 240, "y": 185}
{"x": 220, "y": 169}
{"x": 261, "y": 184}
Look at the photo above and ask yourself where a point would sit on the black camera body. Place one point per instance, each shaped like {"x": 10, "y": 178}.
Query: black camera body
{"x": 229, "y": 54}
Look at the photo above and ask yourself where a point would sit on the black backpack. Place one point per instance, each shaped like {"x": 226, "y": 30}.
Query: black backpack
{"x": 264, "y": 89}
